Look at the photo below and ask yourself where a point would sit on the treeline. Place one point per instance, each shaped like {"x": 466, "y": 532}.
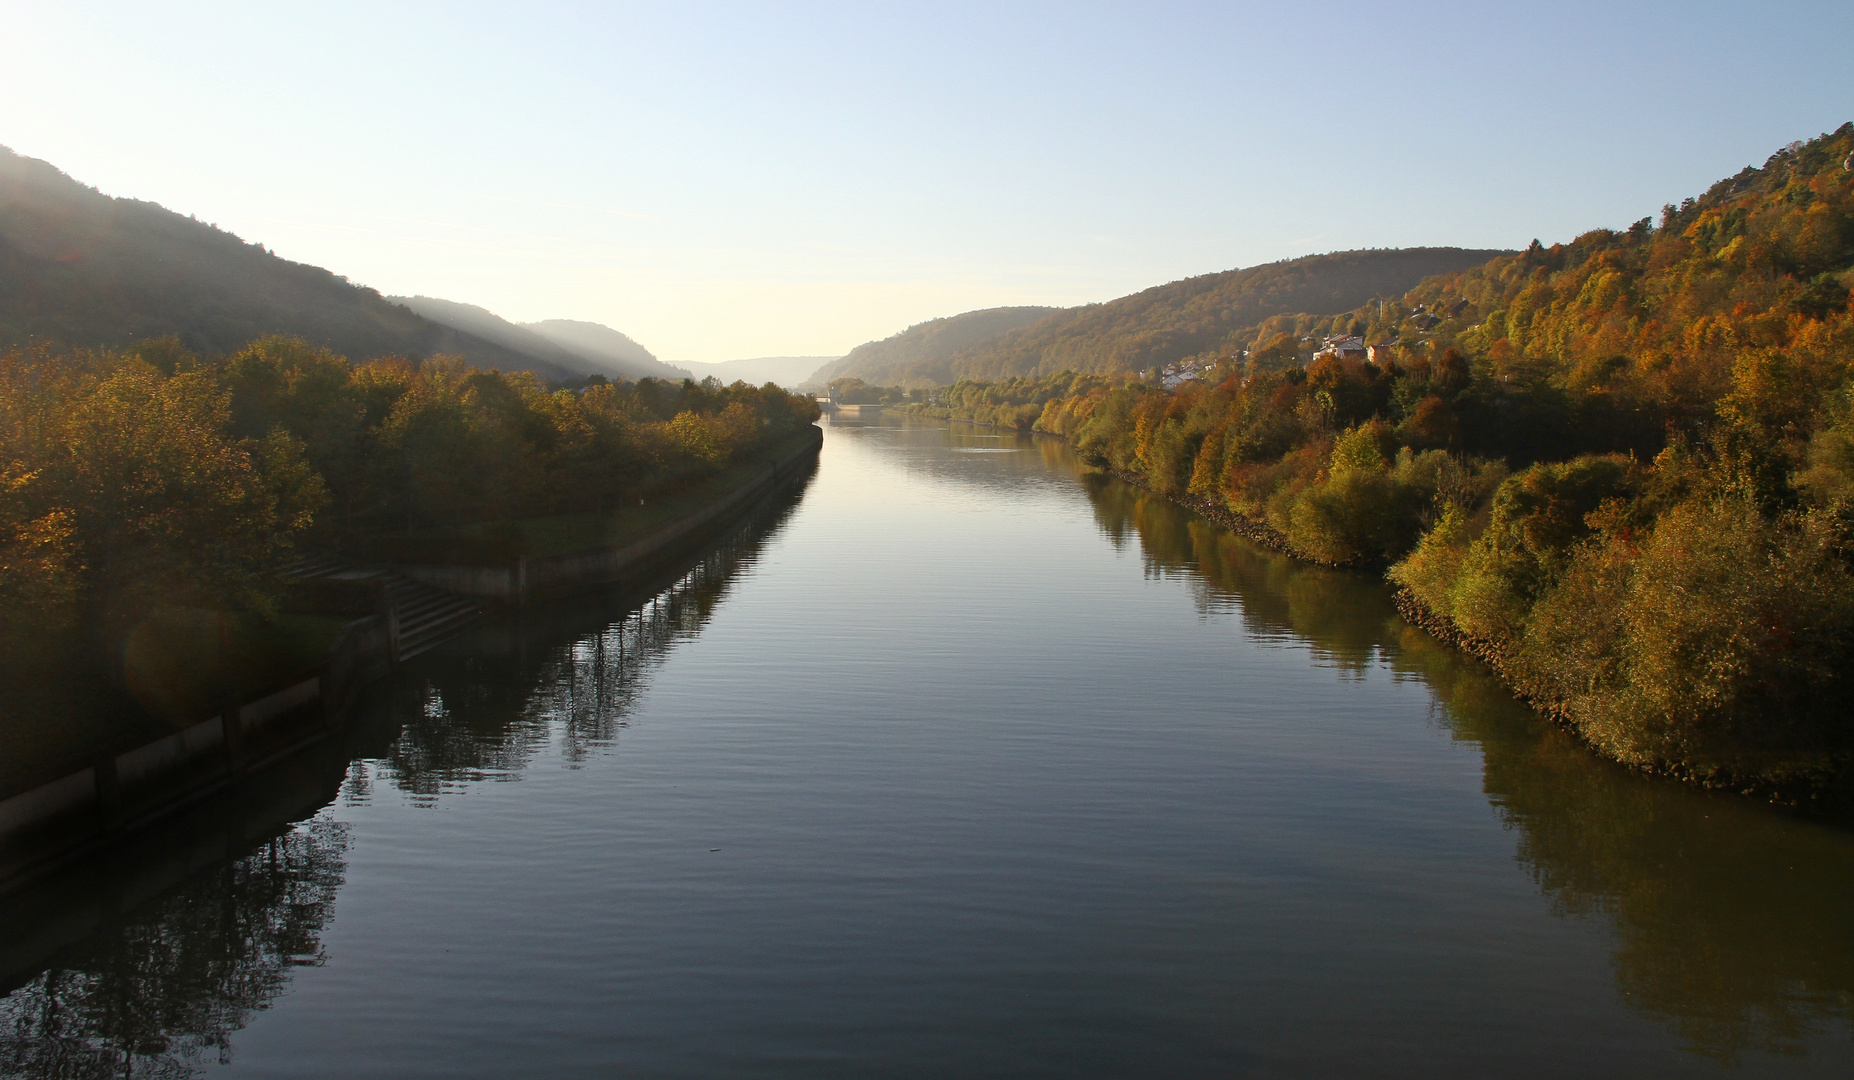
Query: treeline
{"x": 1622, "y": 466}
{"x": 850, "y": 391}
{"x": 1016, "y": 402}
{"x": 151, "y": 477}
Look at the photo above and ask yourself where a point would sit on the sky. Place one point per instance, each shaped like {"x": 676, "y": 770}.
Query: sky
{"x": 733, "y": 180}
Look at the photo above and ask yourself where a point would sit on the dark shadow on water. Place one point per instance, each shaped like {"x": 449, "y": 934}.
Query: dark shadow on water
{"x": 1733, "y": 921}
{"x": 570, "y": 673}
{"x": 146, "y": 959}
{"x": 157, "y": 956}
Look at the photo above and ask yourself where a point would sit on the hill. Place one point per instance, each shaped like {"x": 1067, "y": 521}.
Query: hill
{"x": 1211, "y": 313}
{"x": 604, "y": 345}
{"x": 786, "y": 371}
{"x": 631, "y": 362}
{"x": 82, "y": 269}
{"x": 923, "y": 352}
{"x": 1207, "y": 314}
{"x": 1621, "y": 467}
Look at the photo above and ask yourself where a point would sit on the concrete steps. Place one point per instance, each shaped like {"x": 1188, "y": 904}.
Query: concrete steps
{"x": 315, "y": 566}
{"x": 424, "y": 614}
{"x": 427, "y": 614}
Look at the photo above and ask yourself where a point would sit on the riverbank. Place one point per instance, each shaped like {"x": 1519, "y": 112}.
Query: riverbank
{"x": 545, "y": 558}
{"x": 1826, "y": 791}
{"x": 73, "y": 802}
{"x": 1259, "y": 532}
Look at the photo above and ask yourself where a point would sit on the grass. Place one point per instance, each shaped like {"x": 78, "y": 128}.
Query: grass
{"x": 564, "y": 534}
{"x": 181, "y": 666}
{"x": 59, "y": 711}
{"x": 59, "y": 706}
{"x": 186, "y": 664}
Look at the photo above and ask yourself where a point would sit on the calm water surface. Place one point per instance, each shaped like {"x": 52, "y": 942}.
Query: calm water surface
{"x": 961, "y": 762}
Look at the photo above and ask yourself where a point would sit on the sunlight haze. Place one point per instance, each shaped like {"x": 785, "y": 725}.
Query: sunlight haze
{"x": 822, "y": 540}
{"x": 726, "y": 181}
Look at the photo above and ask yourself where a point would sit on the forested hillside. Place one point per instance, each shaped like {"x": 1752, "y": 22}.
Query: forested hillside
{"x": 82, "y": 269}
{"x": 1200, "y": 316}
{"x": 1204, "y": 315}
{"x": 1622, "y": 466}
{"x": 923, "y": 353}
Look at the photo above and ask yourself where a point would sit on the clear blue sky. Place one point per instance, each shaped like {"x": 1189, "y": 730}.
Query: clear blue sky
{"x": 739, "y": 180}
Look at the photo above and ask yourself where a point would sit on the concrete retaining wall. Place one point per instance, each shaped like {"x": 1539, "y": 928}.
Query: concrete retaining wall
{"x": 65, "y": 818}
{"x": 59, "y": 820}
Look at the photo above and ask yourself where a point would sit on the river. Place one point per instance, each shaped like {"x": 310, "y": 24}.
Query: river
{"x": 960, "y": 761}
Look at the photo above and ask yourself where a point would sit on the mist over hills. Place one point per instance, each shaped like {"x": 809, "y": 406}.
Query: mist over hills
{"x": 585, "y": 348}
{"x": 923, "y": 351}
{"x": 79, "y": 268}
{"x": 82, "y": 269}
{"x": 1149, "y": 328}
{"x": 787, "y": 371}
{"x": 604, "y": 345}
{"x": 489, "y": 326}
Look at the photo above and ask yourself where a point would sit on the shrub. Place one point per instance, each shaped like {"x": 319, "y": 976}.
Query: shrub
{"x": 1431, "y": 571}
{"x": 1535, "y": 518}
{"x": 1347, "y": 518}
{"x": 1718, "y": 648}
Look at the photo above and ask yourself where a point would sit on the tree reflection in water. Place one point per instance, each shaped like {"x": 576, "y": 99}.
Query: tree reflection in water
{"x": 1733, "y": 921}
{"x": 160, "y": 993}
{"x": 485, "y": 708}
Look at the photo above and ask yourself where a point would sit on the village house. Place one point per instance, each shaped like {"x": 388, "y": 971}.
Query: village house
{"x": 1171, "y": 376}
{"x": 1346, "y": 347}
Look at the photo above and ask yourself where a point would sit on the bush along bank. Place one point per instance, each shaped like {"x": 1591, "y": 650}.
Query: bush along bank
{"x": 1620, "y": 469}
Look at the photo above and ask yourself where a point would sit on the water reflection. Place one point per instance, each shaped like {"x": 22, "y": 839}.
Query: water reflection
{"x": 568, "y": 675}
{"x": 145, "y": 961}
{"x": 1006, "y": 461}
{"x": 904, "y": 877}
{"x": 160, "y": 992}
{"x": 1733, "y": 922}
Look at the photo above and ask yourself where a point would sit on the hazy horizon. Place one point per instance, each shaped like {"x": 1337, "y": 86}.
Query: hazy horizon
{"x": 724, "y": 183}
{"x": 787, "y": 371}
{"x": 1325, "y": 551}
